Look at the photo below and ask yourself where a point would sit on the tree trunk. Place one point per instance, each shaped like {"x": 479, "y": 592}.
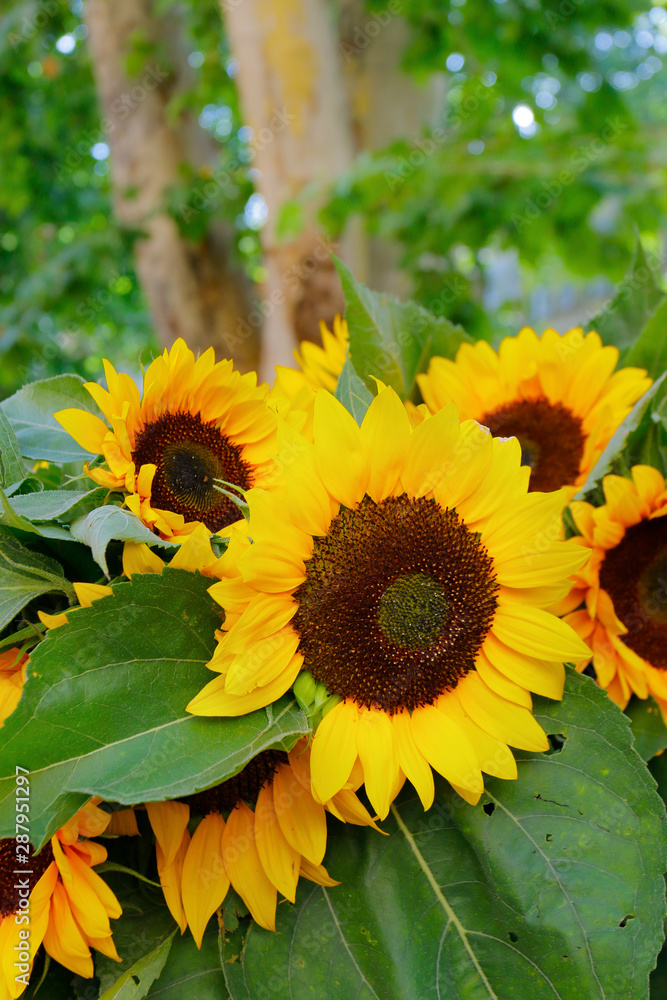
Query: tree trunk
{"x": 386, "y": 104}
{"x": 293, "y": 96}
{"x": 191, "y": 289}
{"x": 317, "y": 86}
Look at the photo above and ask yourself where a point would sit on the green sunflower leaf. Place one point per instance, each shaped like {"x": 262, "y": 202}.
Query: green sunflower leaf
{"x": 58, "y": 505}
{"x": 30, "y": 412}
{"x": 12, "y": 467}
{"x": 103, "y": 709}
{"x": 636, "y": 300}
{"x": 631, "y": 431}
{"x": 649, "y": 730}
{"x": 393, "y": 341}
{"x": 650, "y": 350}
{"x": 136, "y": 982}
{"x": 552, "y": 886}
{"x": 103, "y": 524}
{"x": 25, "y": 575}
{"x": 352, "y": 392}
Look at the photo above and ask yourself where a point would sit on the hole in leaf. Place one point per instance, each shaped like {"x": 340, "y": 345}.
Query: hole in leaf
{"x": 556, "y": 742}
{"x": 628, "y": 916}
{"x": 548, "y": 838}
{"x": 488, "y": 807}
{"x": 513, "y": 937}
{"x": 136, "y": 980}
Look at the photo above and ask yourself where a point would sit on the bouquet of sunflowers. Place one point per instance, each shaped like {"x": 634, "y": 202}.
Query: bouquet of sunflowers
{"x": 345, "y": 687}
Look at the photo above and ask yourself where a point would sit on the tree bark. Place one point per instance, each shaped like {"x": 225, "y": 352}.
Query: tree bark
{"x": 318, "y": 84}
{"x": 191, "y": 289}
{"x": 293, "y": 96}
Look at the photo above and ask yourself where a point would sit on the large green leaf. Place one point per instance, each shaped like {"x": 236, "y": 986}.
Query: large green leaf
{"x": 626, "y": 431}
{"x": 25, "y": 575}
{"x": 552, "y": 887}
{"x": 30, "y": 412}
{"x": 650, "y": 350}
{"x": 352, "y": 392}
{"x": 101, "y": 525}
{"x": 637, "y": 297}
{"x": 392, "y": 340}
{"x": 12, "y": 467}
{"x": 103, "y": 709}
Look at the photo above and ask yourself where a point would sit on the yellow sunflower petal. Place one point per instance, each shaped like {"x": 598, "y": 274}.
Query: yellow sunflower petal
{"x": 413, "y": 764}
{"x": 138, "y": 558}
{"x": 537, "y": 633}
{"x": 376, "y": 746}
{"x": 334, "y": 750}
{"x": 502, "y": 719}
{"x": 431, "y": 452}
{"x": 87, "y": 430}
{"x": 385, "y": 433}
{"x": 316, "y": 873}
{"x": 214, "y": 700}
{"x": 446, "y": 747}
{"x": 339, "y": 453}
{"x": 169, "y": 821}
{"x": 302, "y": 819}
{"x": 205, "y": 880}
{"x": 244, "y": 867}
{"x": 279, "y": 859}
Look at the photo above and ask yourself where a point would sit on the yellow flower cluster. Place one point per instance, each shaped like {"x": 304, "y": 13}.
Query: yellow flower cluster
{"x": 414, "y": 567}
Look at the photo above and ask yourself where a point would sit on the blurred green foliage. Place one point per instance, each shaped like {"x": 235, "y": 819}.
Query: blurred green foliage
{"x": 68, "y": 289}
{"x": 550, "y": 145}
{"x": 551, "y": 142}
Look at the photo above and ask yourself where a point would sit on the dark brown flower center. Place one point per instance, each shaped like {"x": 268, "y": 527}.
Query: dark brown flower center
{"x": 190, "y": 456}
{"x": 397, "y": 601}
{"x": 634, "y": 574}
{"x": 551, "y": 438}
{"x": 14, "y": 874}
{"x": 243, "y": 787}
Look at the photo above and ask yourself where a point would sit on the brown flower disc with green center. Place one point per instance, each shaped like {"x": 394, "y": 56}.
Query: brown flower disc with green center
{"x": 10, "y": 864}
{"x": 551, "y": 438}
{"x": 397, "y": 601}
{"x": 242, "y": 787}
{"x": 634, "y": 574}
{"x": 190, "y": 456}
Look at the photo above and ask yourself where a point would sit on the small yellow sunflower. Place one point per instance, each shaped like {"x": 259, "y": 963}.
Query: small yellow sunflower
{"x": 559, "y": 395}
{"x": 68, "y": 906}
{"x": 13, "y": 665}
{"x": 623, "y": 587}
{"x": 198, "y": 423}
{"x": 408, "y": 569}
{"x": 293, "y": 391}
{"x": 260, "y": 851}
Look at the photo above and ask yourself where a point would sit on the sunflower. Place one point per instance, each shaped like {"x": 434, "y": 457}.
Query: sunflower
{"x": 559, "y": 395}
{"x": 408, "y": 569}
{"x": 293, "y": 391}
{"x": 623, "y": 588}
{"x": 12, "y": 677}
{"x": 274, "y": 831}
{"x": 197, "y": 424}
{"x": 68, "y": 907}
